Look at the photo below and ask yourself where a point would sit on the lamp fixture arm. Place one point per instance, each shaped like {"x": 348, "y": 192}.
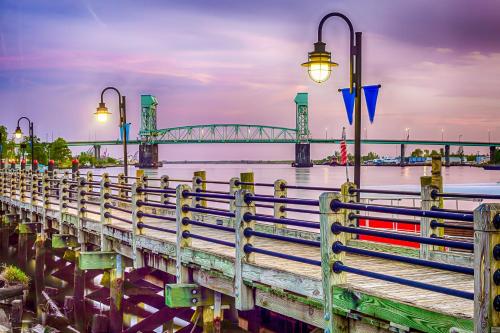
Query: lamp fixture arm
{"x": 351, "y": 41}
{"x": 26, "y": 118}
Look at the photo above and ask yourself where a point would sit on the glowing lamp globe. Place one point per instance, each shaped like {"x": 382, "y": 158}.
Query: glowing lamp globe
{"x": 102, "y": 113}
{"x": 319, "y": 66}
{"x": 18, "y": 133}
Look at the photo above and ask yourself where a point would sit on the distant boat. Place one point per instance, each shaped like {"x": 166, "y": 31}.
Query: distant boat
{"x": 491, "y": 167}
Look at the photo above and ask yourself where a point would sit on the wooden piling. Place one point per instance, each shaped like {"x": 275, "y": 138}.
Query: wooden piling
{"x": 116, "y": 278}
{"x": 39, "y": 271}
{"x": 79, "y": 297}
{"x": 100, "y": 324}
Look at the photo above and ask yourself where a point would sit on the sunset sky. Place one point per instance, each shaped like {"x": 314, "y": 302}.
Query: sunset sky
{"x": 239, "y": 62}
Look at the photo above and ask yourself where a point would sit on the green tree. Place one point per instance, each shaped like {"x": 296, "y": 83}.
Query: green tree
{"x": 417, "y": 153}
{"x": 40, "y": 150}
{"x": 370, "y": 156}
{"x": 60, "y": 152}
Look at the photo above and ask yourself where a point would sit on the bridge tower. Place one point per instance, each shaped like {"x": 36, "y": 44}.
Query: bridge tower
{"x": 148, "y": 150}
{"x": 302, "y": 146}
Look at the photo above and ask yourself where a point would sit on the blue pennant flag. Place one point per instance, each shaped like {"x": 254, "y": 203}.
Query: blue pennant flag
{"x": 371, "y": 94}
{"x": 349, "y": 102}
{"x": 127, "y": 131}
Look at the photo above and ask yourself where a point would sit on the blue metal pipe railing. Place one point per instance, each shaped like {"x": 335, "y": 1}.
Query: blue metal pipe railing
{"x": 337, "y": 228}
{"x": 248, "y": 232}
{"x": 187, "y": 234}
{"x": 337, "y": 204}
{"x": 264, "y": 218}
{"x": 340, "y": 267}
{"x": 250, "y": 248}
{"x": 305, "y": 202}
{"x": 141, "y": 225}
{"x": 339, "y": 247}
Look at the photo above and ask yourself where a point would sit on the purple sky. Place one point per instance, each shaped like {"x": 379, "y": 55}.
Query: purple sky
{"x": 239, "y": 62}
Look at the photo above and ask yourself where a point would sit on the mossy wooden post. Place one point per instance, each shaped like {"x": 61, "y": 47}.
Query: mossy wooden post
{"x": 182, "y": 272}
{"x": 347, "y": 196}
{"x": 165, "y": 198}
{"x": 279, "y": 208}
{"x": 34, "y": 193}
{"x": 79, "y": 294}
{"x": 244, "y": 299}
{"x": 138, "y": 198}
{"x": 165, "y": 184}
{"x": 122, "y": 181}
{"x": 81, "y": 197}
{"x": 22, "y": 186}
{"x": 437, "y": 182}
{"x": 427, "y": 202}
{"x": 116, "y": 279}
{"x": 2, "y": 182}
{"x": 333, "y": 323}
{"x": 486, "y": 268}
{"x": 105, "y": 210}
{"x": 199, "y": 186}
{"x": 248, "y": 178}
{"x": 63, "y": 202}
{"x": 46, "y": 201}
{"x": 233, "y": 188}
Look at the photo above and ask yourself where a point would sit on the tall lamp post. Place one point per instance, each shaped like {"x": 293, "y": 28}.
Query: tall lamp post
{"x": 102, "y": 114}
{"x": 19, "y": 134}
{"x": 320, "y": 67}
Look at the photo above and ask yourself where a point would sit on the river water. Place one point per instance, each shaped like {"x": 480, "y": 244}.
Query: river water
{"x": 463, "y": 179}
{"x": 456, "y": 177}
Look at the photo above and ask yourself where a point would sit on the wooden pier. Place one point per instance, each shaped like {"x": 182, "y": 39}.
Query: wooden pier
{"x": 221, "y": 269}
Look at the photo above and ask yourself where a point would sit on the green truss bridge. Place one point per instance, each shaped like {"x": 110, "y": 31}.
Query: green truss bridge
{"x": 150, "y": 137}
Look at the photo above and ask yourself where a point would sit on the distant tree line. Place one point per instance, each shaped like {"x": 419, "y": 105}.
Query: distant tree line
{"x": 58, "y": 151}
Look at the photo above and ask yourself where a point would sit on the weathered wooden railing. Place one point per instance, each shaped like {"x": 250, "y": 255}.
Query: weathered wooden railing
{"x": 141, "y": 203}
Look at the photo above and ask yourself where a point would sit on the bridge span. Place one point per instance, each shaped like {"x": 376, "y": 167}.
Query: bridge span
{"x": 150, "y": 136}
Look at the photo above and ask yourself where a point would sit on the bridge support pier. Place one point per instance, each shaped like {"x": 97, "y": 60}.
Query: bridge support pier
{"x": 493, "y": 151}
{"x": 148, "y": 155}
{"x": 402, "y": 158}
{"x": 97, "y": 152}
{"x": 447, "y": 155}
{"x": 302, "y": 155}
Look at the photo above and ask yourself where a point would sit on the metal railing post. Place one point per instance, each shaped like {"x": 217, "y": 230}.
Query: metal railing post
{"x": 330, "y": 278}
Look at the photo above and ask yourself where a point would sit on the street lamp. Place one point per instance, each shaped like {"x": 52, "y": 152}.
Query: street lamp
{"x": 102, "y": 114}
{"x": 319, "y": 67}
{"x": 442, "y": 134}
{"x": 19, "y": 134}
{"x": 407, "y": 133}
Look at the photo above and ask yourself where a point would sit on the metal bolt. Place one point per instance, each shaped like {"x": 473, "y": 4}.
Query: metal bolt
{"x": 194, "y": 300}
{"x": 326, "y": 317}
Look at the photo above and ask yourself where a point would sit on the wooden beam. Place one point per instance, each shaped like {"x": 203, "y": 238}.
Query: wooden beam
{"x": 97, "y": 260}
{"x": 64, "y": 241}
{"x": 399, "y": 313}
